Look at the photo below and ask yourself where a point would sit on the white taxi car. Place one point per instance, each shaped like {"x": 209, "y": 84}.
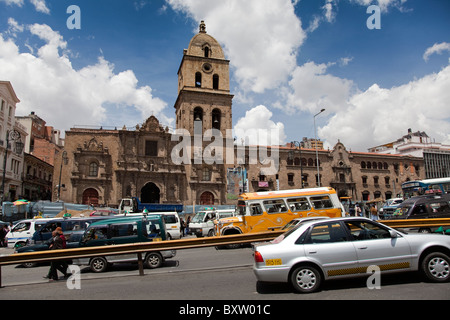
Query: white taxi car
{"x": 319, "y": 250}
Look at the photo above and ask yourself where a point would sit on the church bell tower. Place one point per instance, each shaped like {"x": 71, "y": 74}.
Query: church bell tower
{"x": 204, "y": 86}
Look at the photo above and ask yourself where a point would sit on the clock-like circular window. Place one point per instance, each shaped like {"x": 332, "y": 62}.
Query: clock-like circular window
{"x": 207, "y": 68}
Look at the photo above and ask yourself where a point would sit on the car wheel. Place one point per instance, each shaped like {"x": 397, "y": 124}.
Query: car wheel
{"x": 98, "y": 264}
{"x": 29, "y": 264}
{"x": 306, "y": 279}
{"x": 153, "y": 260}
{"x": 436, "y": 267}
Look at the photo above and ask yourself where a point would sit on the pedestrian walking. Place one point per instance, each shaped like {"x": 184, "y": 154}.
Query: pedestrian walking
{"x": 182, "y": 227}
{"x": 3, "y": 232}
{"x": 188, "y": 221}
{"x": 59, "y": 242}
{"x": 358, "y": 210}
{"x": 374, "y": 212}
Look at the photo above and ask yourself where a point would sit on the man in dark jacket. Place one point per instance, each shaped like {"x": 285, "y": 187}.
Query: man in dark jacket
{"x": 58, "y": 242}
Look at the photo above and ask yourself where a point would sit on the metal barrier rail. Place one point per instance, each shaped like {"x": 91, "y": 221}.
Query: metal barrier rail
{"x": 415, "y": 223}
{"x": 142, "y": 247}
{"x": 136, "y": 248}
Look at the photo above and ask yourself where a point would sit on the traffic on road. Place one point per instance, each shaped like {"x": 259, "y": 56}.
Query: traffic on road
{"x": 319, "y": 245}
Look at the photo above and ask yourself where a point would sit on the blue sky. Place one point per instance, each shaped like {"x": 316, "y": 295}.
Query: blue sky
{"x": 288, "y": 60}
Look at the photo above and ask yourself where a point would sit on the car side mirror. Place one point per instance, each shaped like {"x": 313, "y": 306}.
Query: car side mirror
{"x": 393, "y": 233}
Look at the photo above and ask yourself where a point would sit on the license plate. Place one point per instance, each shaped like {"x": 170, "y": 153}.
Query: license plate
{"x": 273, "y": 262}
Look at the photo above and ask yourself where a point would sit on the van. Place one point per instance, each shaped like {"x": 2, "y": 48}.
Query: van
{"x": 173, "y": 225}
{"x": 122, "y": 231}
{"x": 69, "y": 226}
{"x": 424, "y": 207}
{"x": 203, "y": 222}
{"x": 22, "y": 231}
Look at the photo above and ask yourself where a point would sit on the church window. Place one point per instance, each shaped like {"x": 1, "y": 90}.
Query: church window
{"x": 198, "y": 80}
{"x": 206, "y": 174}
{"x": 215, "y": 81}
{"x": 151, "y": 148}
{"x": 207, "y": 50}
{"x": 93, "y": 169}
{"x": 198, "y": 114}
{"x": 216, "y": 119}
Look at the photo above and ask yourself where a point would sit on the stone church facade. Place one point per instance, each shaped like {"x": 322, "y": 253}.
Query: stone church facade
{"x": 102, "y": 166}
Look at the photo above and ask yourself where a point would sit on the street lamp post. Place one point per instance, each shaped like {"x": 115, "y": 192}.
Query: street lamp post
{"x": 13, "y": 136}
{"x": 63, "y": 160}
{"x": 317, "y": 153}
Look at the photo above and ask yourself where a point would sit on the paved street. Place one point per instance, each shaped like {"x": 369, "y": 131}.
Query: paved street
{"x": 204, "y": 274}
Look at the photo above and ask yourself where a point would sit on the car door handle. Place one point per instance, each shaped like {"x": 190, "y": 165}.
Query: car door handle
{"x": 362, "y": 248}
{"x": 312, "y": 252}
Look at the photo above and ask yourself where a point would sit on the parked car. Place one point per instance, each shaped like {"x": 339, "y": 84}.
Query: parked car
{"x": 72, "y": 242}
{"x": 320, "y": 250}
{"x": 424, "y": 207}
{"x": 23, "y": 230}
{"x": 115, "y": 231}
{"x": 68, "y": 226}
{"x": 389, "y": 208}
{"x": 121, "y": 231}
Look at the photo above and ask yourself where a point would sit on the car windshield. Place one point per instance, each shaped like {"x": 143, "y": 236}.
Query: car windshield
{"x": 290, "y": 224}
{"x": 198, "y": 218}
{"x": 403, "y": 210}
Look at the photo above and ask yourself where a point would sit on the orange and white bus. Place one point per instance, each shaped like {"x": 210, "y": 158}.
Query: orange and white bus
{"x": 265, "y": 211}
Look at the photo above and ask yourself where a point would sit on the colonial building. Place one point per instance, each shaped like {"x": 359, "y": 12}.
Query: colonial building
{"x": 436, "y": 155}
{"x": 42, "y": 141}
{"x": 102, "y": 166}
{"x": 12, "y": 136}
{"x": 37, "y": 179}
{"x": 360, "y": 176}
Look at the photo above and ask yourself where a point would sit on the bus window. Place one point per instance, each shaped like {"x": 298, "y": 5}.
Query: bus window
{"x": 275, "y": 206}
{"x": 298, "y": 204}
{"x": 255, "y": 209}
{"x": 321, "y": 202}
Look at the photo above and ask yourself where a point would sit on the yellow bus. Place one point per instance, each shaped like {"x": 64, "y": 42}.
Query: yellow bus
{"x": 265, "y": 211}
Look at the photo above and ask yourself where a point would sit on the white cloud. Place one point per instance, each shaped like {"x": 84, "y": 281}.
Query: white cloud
{"x": 312, "y": 88}
{"x": 13, "y": 2}
{"x": 379, "y": 115}
{"x": 383, "y": 4}
{"x": 260, "y": 37}
{"x": 327, "y": 8}
{"x": 257, "y": 128}
{"x": 14, "y": 27}
{"x": 437, "y": 48}
{"x": 40, "y": 6}
{"x": 48, "y": 84}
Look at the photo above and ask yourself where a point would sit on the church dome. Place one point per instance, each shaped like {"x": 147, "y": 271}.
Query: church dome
{"x": 205, "y": 46}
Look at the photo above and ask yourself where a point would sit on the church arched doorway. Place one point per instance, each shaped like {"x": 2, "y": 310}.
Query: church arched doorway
{"x": 90, "y": 196}
{"x": 206, "y": 198}
{"x": 150, "y": 193}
